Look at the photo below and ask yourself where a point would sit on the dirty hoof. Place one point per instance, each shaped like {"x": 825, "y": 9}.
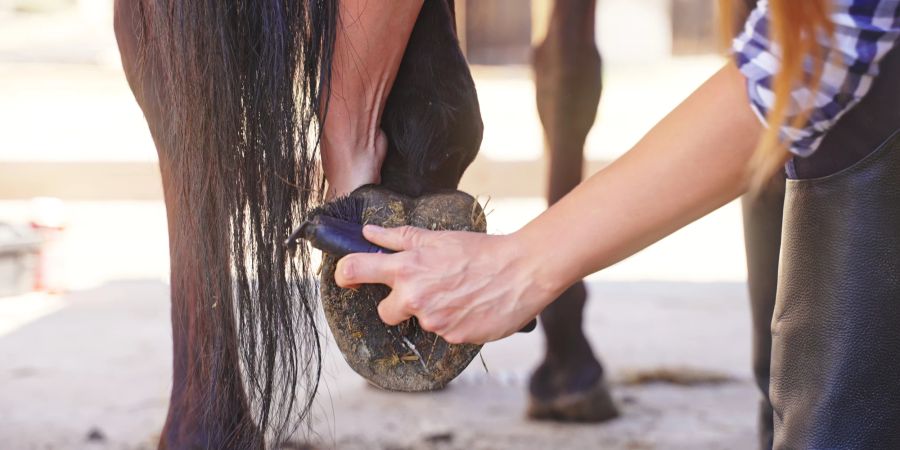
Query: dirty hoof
{"x": 555, "y": 396}
{"x": 592, "y": 405}
{"x": 404, "y": 357}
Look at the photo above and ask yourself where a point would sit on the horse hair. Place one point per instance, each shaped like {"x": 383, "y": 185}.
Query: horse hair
{"x": 242, "y": 86}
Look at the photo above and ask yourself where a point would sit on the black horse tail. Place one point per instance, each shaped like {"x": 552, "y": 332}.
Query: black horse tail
{"x": 232, "y": 92}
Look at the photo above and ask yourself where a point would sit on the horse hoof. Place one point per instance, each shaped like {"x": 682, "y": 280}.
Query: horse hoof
{"x": 404, "y": 357}
{"x": 557, "y": 397}
{"x": 592, "y": 405}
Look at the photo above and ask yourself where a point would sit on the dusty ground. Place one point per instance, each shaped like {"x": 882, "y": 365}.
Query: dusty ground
{"x": 96, "y": 363}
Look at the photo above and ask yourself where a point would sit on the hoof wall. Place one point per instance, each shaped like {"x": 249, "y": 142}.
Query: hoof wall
{"x": 593, "y": 405}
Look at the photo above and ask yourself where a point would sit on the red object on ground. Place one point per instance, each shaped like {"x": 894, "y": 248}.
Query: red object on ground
{"x": 48, "y": 221}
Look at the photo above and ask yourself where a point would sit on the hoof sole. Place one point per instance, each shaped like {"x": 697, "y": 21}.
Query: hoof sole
{"x": 401, "y": 358}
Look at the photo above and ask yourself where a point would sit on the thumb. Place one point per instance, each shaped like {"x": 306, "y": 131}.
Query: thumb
{"x": 397, "y": 239}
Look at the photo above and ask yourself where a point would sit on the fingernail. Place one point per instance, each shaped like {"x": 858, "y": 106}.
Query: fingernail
{"x": 347, "y": 270}
{"x": 374, "y": 229}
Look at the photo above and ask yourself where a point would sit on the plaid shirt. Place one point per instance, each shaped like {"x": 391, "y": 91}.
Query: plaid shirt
{"x": 865, "y": 30}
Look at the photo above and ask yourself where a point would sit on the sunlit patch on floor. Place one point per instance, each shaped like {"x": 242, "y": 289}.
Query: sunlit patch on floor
{"x": 20, "y": 310}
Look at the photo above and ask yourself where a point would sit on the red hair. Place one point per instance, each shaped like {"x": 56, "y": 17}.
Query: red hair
{"x": 796, "y": 26}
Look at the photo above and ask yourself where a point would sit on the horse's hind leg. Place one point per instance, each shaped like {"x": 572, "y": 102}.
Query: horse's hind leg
{"x": 569, "y": 384}
{"x": 190, "y": 422}
{"x": 763, "y": 214}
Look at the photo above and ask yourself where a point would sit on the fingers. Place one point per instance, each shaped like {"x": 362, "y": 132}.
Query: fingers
{"x": 398, "y": 239}
{"x": 366, "y": 268}
{"x": 372, "y": 268}
{"x": 417, "y": 289}
{"x": 396, "y": 308}
{"x": 393, "y": 310}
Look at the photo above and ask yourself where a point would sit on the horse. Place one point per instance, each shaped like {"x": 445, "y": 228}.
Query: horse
{"x": 569, "y": 384}
{"x": 233, "y": 95}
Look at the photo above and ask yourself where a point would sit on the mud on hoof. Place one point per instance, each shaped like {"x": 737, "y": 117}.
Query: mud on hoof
{"x": 593, "y": 405}
{"x": 403, "y": 357}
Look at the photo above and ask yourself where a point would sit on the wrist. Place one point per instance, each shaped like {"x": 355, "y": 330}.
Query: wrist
{"x": 536, "y": 268}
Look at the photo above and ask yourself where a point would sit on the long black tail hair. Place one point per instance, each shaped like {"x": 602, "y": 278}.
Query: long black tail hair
{"x": 238, "y": 91}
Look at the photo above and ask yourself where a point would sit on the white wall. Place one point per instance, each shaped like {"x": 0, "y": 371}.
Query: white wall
{"x": 634, "y": 31}
{"x": 96, "y": 12}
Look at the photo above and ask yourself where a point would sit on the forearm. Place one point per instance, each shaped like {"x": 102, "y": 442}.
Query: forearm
{"x": 371, "y": 39}
{"x": 691, "y": 163}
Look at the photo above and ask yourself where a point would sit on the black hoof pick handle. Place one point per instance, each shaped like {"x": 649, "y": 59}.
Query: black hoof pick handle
{"x": 339, "y": 238}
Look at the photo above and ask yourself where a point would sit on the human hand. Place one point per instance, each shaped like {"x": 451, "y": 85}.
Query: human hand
{"x": 465, "y": 287}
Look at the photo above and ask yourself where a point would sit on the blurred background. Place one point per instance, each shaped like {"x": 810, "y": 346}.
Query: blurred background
{"x": 84, "y": 314}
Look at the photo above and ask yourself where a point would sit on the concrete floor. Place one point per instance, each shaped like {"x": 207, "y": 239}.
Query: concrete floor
{"x": 97, "y": 362}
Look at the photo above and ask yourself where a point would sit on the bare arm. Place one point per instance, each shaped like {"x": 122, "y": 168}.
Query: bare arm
{"x": 475, "y": 288}
{"x": 372, "y": 36}
{"x": 691, "y": 163}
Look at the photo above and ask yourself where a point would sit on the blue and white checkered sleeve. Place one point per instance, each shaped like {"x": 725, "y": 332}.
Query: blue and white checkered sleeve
{"x": 865, "y": 30}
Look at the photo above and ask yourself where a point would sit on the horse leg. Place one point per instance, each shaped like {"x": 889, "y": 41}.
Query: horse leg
{"x": 569, "y": 384}
{"x": 763, "y": 214}
{"x": 762, "y": 237}
{"x": 432, "y": 117}
{"x": 197, "y": 374}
